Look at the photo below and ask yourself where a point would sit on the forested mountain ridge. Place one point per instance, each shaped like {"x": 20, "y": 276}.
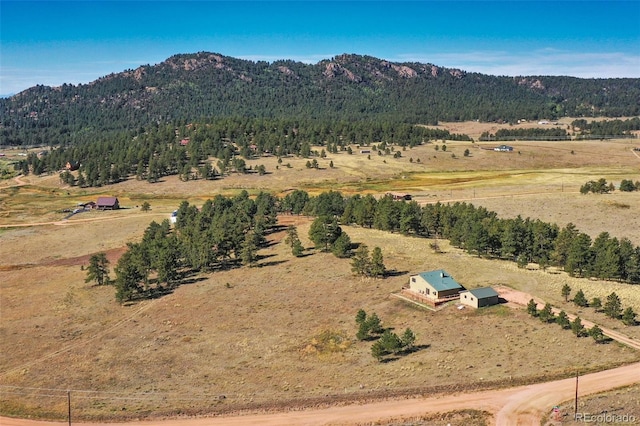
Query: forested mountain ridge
{"x": 188, "y": 87}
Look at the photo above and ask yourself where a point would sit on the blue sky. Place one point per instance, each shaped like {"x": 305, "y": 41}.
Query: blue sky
{"x": 55, "y": 42}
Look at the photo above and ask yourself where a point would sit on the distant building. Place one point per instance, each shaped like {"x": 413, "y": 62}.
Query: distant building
{"x": 503, "y": 148}
{"x": 174, "y": 216}
{"x": 107, "y": 203}
{"x": 399, "y": 195}
{"x": 88, "y": 206}
{"x": 72, "y": 165}
{"x": 479, "y": 297}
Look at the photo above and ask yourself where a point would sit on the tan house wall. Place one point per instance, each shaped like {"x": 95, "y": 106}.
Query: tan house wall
{"x": 466, "y": 298}
{"x": 418, "y": 285}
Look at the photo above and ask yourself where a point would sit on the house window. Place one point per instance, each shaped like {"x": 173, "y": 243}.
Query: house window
{"x": 426, "y": 291}
{"x": 413, "y": 279}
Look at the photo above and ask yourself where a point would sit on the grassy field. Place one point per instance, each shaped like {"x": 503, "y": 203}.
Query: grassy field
{"x": 283, "y": 333}
{"x": 262, "y": 340}
{"x": 616, "y": 403}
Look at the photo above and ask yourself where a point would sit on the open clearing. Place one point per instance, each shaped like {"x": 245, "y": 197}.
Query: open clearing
{"x": 265, "y": 339}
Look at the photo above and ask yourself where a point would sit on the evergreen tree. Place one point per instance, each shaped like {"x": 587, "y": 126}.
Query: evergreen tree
{"x": 249, "y": 252}
{"x": 324, "y": 231}
{"x": 342, "y": 246}
{"x": 597, "y": 333}
{"x": 629, "y": 316}
{"x": 629, "y": 261}
{"x": 293, "y": 240}
{"x": 577, "y": 328}
{"x": 408, "y": 339}
{"x": 129, "y": 276}
{"x": 532, "y": 308}
{"x": 613, "y": 307}
{"x": 563, "y": 320}
{"x": 390, "y": 342}
{"x": 363, "y": 331}
{"x": 563, "y": 243}
{"x": 377, "y": 351}
{"x": 596, "y": 303}
{"x": 377, "y": 268}
{"x": 360, "y": 262}
{"x": 579, "y": 256}
{"x": 166, "y": 259}
{"x": 546, "y": 314}
{"x": 579, "y": 299}
{"x": 566, "y": 291}
{"x": 374, "y": 324}
{"x": 605, "y": 253}
{"x": 98, "y": 269}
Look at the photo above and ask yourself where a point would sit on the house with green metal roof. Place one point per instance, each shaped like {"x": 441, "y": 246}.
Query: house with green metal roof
{"x": 479, "y": 297}
{"x": 435, "y": 286}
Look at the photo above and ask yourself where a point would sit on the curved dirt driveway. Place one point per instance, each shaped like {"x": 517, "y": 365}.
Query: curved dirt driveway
{"x": 523, "y": 405}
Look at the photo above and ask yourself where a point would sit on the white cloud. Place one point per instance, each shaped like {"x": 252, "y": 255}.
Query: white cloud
{"x": 536, "y": 62}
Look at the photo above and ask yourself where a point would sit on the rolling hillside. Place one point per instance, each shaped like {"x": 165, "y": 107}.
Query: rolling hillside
{"x": 189, "y": 87}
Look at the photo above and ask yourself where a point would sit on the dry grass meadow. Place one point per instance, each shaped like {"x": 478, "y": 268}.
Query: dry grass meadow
{"x": 616, "y": 403}
{"x": 283, "y": 333}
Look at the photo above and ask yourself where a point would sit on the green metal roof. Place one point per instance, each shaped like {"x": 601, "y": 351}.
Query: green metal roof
{"x": 483, "y": 293}
{"x": 440, "y": 280}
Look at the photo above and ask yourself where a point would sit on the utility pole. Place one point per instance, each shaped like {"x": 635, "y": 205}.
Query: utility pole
{"x": 69, "y": 406}
{"x": 575, "y": 407}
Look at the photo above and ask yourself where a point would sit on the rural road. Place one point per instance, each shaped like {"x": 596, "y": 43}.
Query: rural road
{"x": 520, "y": 298}
{"x": 523, "y": 405}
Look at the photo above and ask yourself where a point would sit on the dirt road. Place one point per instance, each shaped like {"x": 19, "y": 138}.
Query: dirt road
{"x": 523, "y": 405}
{"x": 515, "y": 297}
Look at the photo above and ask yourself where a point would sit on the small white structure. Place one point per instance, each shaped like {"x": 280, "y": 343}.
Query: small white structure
{"x": 174, "y": 217}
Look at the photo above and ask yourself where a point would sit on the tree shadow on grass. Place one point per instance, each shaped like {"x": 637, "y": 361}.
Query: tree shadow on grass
{"x": 264, "y": 256}
{"x": 413, "y": 349}
{"x": 271, "y": 263}
{"x": 187, "y": 281}
{"x": 400, "y": 354}
{"x": 395, "y": 273}
{"x": 305, "y": 254}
